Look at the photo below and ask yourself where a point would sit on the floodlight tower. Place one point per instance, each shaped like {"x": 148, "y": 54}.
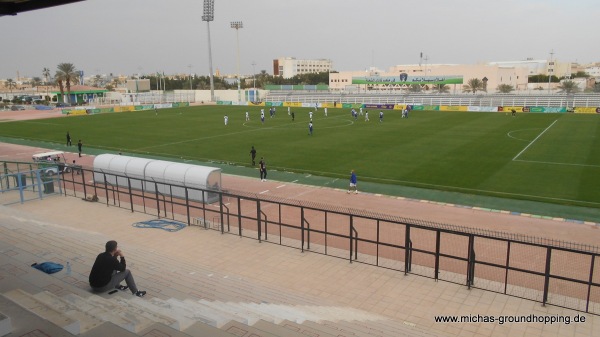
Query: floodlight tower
{"x": 550, "y": 70}
{"x": 209, "y": 15}
{"x": 237, "y": 25}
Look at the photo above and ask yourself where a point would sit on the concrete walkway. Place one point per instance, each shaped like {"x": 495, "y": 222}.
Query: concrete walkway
{"x": 181, "y": 264}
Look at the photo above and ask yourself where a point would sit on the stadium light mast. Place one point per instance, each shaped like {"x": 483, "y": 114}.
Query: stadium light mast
{"x": 209, "y": 15}
{"x": 550, "y": 70}
{"x": 237, "y": 25}
{"x": 254, "y": 75}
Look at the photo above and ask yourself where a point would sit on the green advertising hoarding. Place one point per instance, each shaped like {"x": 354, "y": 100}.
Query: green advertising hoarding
{"x": 408, "y": 80}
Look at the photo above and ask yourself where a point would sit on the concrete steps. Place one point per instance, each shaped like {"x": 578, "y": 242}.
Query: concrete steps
{"x": 337, "y": 331}
{"x": 202, "y": 329}
{"x": 108, "y": 329}
{"x": 101, "y": 312}
{"x": 5, "y": 325}
{"x": 87, "y": 322}
{"x": 306, "y": 330}
{"x": 243, "y": 330}
{"x": 39, "y": 308}
{"x": 184, "y": 298}
{"x": 277, "y": 330}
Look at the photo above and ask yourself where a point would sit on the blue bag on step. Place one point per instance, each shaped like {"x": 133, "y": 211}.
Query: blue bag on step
{"x": 48, "y": 267}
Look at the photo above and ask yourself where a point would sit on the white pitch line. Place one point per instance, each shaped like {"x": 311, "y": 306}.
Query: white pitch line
{"x": 280, "y": 186}
{"x": 555, "y": 163}
{"x": 533, "y": 141}
{"x": 294, "y": 181}
{"x": 263, "y": 192}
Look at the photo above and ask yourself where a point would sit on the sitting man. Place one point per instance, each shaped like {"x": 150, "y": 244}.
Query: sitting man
{"x": 108, "y": 272}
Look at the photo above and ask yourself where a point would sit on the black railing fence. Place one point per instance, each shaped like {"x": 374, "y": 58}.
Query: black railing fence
{"x": 549, "y": 271}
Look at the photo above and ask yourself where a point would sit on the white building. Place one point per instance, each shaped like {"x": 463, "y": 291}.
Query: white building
{"x": 593, "y": 71}
{"x": 429, "y": 75}
{"x": 288, "y": 67}
{"x": 540, "y": 67}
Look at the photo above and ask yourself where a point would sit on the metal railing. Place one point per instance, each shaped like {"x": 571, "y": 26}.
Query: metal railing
{"x": 553, "y": 100}
{"x": 548, "y": 271}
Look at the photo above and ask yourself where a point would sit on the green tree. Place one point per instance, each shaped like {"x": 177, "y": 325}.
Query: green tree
{"x": 46, "y": 74}
{"x": 414, "y": 88}
{"x": 66, "y": 74}
{"x": 97, "y": 81}
{"x": 473, "y": 85}
{"x": 10, "y": 84}
{"x": 36, "y": 82}
{"x": 115, "y": 82}
{"x": 505, "y": 88}
{"x": 441, "y": 88}
{"x": 569, "y": 87}
{"x": 581, "y": 74}
{"x": 542, "y": 79}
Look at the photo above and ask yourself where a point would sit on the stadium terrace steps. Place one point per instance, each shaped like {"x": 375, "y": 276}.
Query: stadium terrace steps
{"x": 275, "y": 329}
{"x": 87, "y": 321}
{"x": 238, "y": 329}
{"x": 27, "y": 301}
{"x": 5, "y": 325}
{"x": 24, "y": 321}
{"x": 100, "y": 312}
{"x": 201, "y": 329}
{"x": 108, "y": 329}
{"x": 184, "y": 299}
{"x": 306, "y": 330}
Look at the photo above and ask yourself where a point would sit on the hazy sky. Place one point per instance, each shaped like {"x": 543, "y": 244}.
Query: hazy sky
{"x": 131, "y": 36}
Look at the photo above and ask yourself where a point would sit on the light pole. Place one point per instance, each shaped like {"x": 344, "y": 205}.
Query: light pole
{"x": 190, "y": 67}
{"x": 209, "y": 15}
{"x": 254, "y": 75}
{"x": 191, "y": 90}
{"x": 237, "y": 25}
{"x": 254, "y": 80}
{"x": 550, "y": 70}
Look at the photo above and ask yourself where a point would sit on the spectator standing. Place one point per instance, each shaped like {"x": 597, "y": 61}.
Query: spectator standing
{"x": 353, "y": 182}
{"x": 263, "y": 169}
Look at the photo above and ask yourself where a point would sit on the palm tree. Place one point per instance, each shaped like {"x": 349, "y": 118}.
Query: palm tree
{"x": 115, "y": 82}
{"x": 10, "y": 84}
{"x": 441, "y": 88}
{"x": 36, "y": 82}
{"x": 414, "y": 88}
{"x": 97, "y": 82}
{"x": 46, "y": 74}
{"x": 568, "y": 87}
{"x": 505, "y": 88}
{"x": 65, "y": 75}
{"x": 473, "y": 85}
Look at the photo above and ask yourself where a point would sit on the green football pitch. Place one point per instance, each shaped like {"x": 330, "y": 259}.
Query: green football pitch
{"x": 552, "y": 158}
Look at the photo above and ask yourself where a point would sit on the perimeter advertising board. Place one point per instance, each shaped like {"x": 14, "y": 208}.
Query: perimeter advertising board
{"x": 403, "y": 78}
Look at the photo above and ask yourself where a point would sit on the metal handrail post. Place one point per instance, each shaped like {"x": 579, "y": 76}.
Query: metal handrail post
{"x": 547, "y": 275}
{"x": 221, "y": 212}
{"x": 258, "y": 212}
{"x": 437, "y": 255}
{"x": 130, "y": 194}
{"x": 406, "y": 249}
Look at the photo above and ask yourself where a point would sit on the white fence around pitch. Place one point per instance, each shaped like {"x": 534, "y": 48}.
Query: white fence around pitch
{"x": 152, "y": 97}
{"x": 555, "y": 100}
